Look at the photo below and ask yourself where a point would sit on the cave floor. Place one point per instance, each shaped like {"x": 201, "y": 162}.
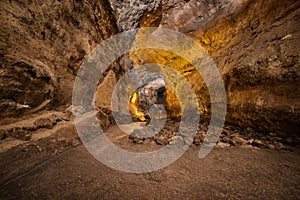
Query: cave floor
{"x": 59, "y": 167}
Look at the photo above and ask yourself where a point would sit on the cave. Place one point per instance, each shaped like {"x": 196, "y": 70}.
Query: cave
{"x": 143, "y": 105}
{"x": 145, "y": 97}
{"x": 150, "y": 99}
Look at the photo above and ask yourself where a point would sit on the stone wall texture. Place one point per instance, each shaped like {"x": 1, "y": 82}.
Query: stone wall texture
{"x": 42, "y": 44}
{"x": 254, "y": 43}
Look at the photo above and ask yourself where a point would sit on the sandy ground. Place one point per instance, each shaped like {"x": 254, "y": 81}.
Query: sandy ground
{"x": 59, "y": 167}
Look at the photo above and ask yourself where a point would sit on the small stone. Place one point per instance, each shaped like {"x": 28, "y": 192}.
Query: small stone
{"x": 197, "y": 141}
{"x": 240, "y": 141}
{"x": 79, "y": 110}
{"x": 279, "y": 146}
{"x": 176, "y": 140}
{"x": 44, "y": 123}
{"x": 225, "y": 139}
{"x": 131, "y": 137}
{"x": 286, "y": 37}
{"x": 54, "y": 119}
{"x": 234, "y": 135}
{"x": 271, "y": 146}
{"x": 161, "y": 141}
{"x": 250, "y": 141}
{"x": 75, "y": 143}
{"x": 232, "y": 142}
{"x": 226, "y": 132}
{"x": 140, "y": 133}
{"x": 249, "y": 133}
{"x": 138, "y": 140}
{"x": 67, "y": 116}
{"x": 258, "y": 143}
{"x": 147, "y": 141}
{"x": 223, "y": 145}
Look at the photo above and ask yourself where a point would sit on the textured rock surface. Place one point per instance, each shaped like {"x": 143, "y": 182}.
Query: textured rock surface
{"x": 103, "y": 94}
{"x": 42, "y": 46}
{"x": 144, "y": 79}
{"x": 129, "y": 13}
{"x": 255, "y": 46}
{"x": 152, "y": 93}
{"x": 180, "y": 15}
{"x": 257, "y": 52}
{"x": 254, "y": 43}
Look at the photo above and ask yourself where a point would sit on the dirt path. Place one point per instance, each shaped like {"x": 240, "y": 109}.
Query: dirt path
{"x": 63, "y": 169}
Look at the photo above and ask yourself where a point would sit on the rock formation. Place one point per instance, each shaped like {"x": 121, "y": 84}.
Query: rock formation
{"x": 46, "y": 152}
{"x": 42, "y": 47}
{"x": 255, "y": 45}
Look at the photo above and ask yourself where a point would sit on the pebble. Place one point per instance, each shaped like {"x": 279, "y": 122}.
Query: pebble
{"x": 138, "y": 140}
{"x": 197, "y": 141}
{"x": 258, "y": 143}
{"x": 232, "y": 142}
{"x": 247, "y": 138}
{"x": 226, "y": 132}
{"x": 240, "y": 141}
{"x": 289, "y": 36}
{"x": 67, "y": 116}
{"x": 147, "y": 141}
{"x": 44, "y": 123}
{"x": 223, "y": 145}
{"x": 279, "y": 146}
{"x": 271, "y": 146}
{"x": 160, "y": 140}
{"x": 176, "y": 140}
{"x": 54, "y": 119}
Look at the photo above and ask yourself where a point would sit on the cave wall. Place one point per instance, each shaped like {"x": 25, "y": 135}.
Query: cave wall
{"x": 255, "y": 45}
{"x": 257, "y": 51}
{"x": 42, "y": 44}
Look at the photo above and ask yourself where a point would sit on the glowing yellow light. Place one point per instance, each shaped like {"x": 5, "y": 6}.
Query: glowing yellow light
{"x": 134, "y": 109}
{"x": 134, "y": 98}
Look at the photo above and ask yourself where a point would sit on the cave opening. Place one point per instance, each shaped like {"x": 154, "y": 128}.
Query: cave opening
{"x": 142, "y": 100}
